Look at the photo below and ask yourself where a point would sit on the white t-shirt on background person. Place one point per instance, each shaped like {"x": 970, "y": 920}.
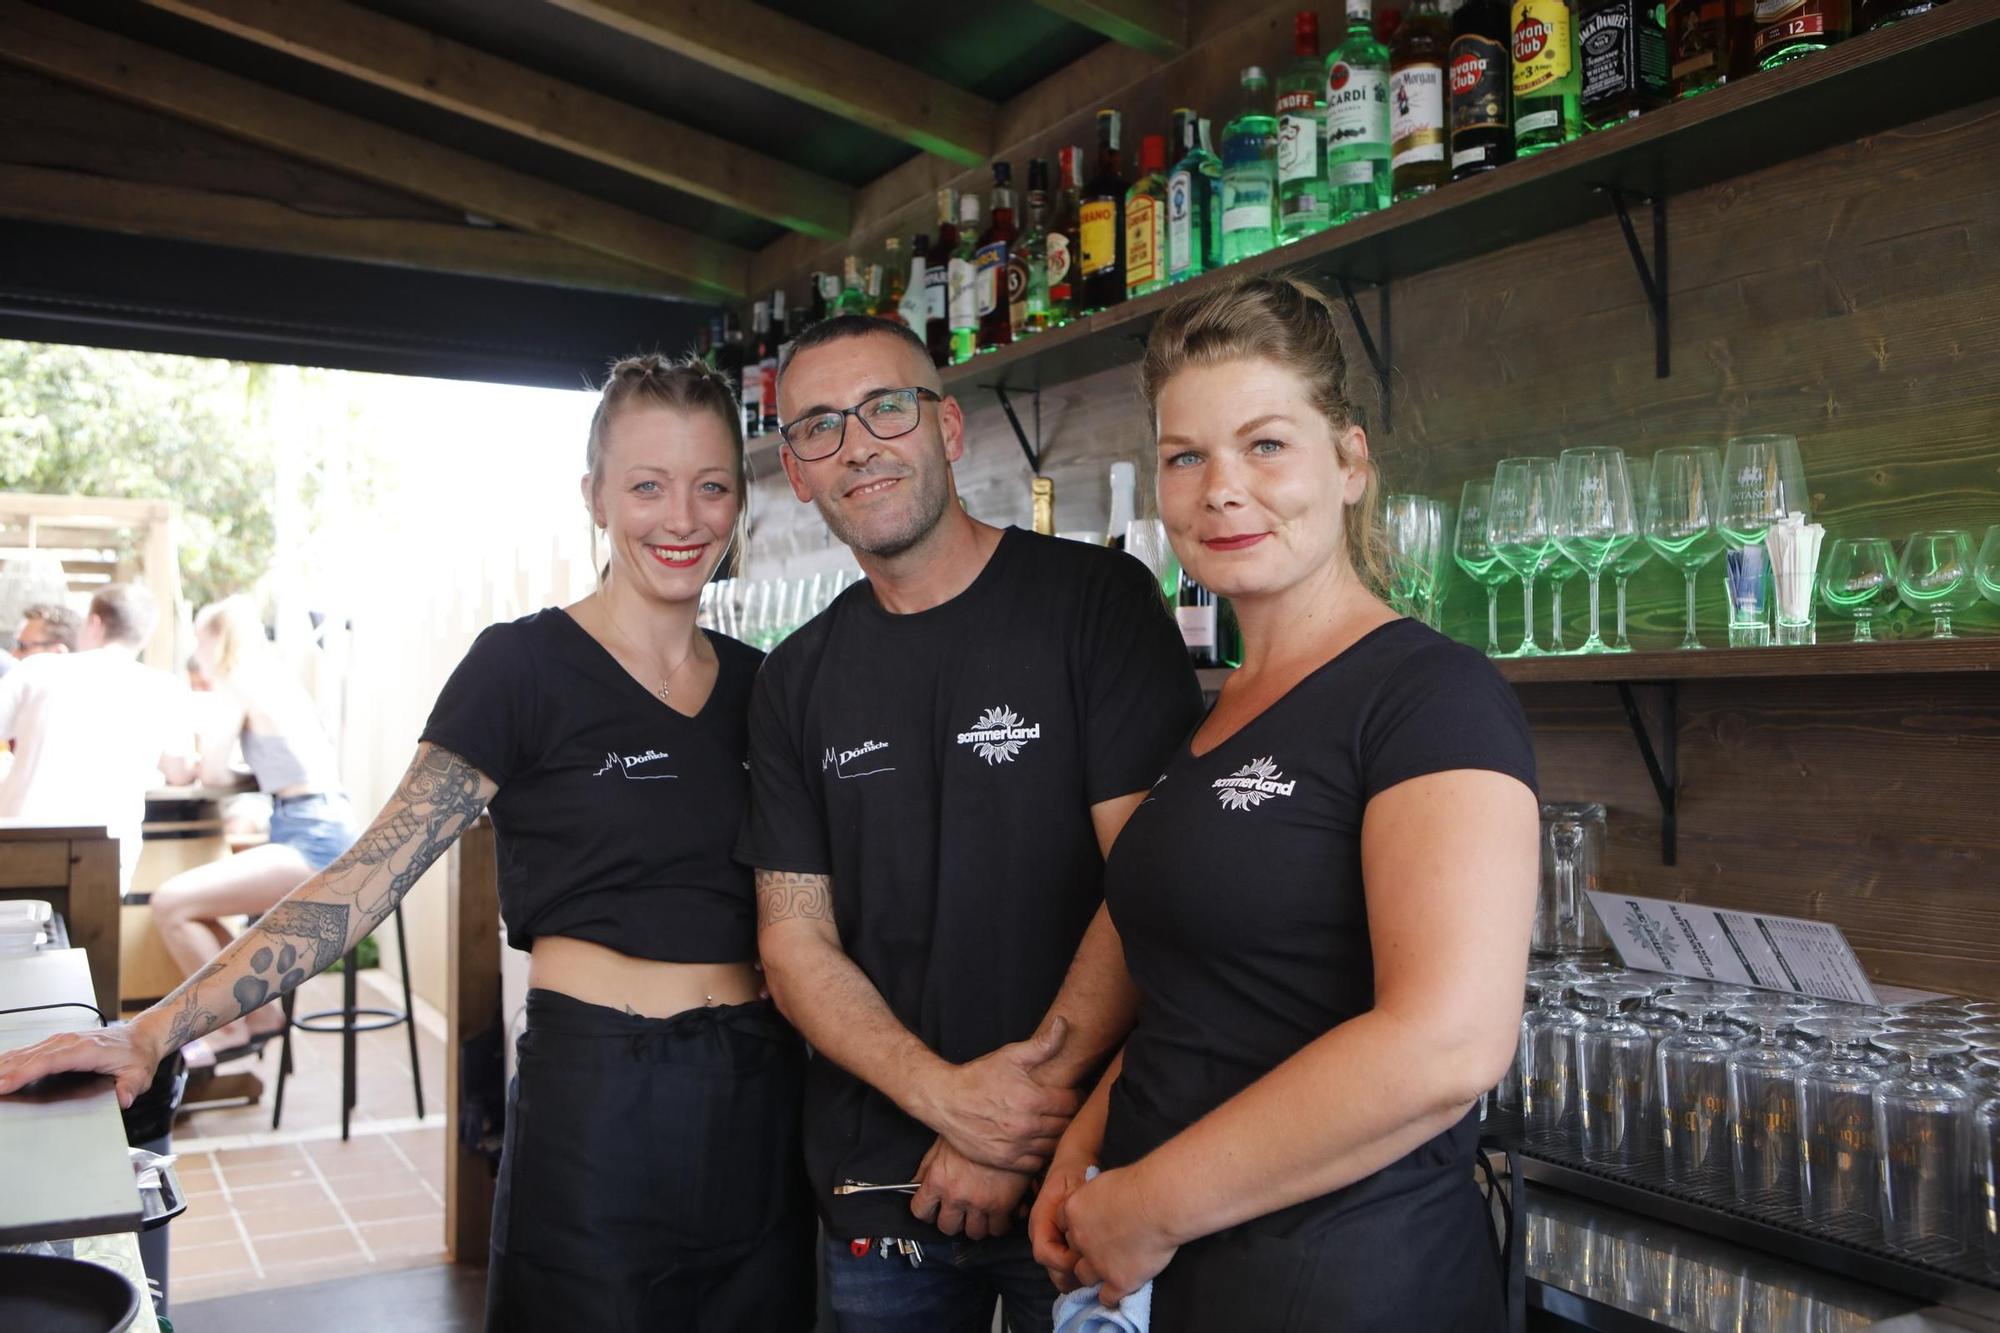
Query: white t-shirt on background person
{"x": 89, "y": 730}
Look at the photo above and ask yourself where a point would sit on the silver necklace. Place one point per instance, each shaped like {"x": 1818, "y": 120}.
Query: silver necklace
{"x": 666, "y": 681}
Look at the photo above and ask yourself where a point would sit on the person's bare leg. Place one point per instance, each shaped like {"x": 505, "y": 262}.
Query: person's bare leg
{"x": 188, "y": 908}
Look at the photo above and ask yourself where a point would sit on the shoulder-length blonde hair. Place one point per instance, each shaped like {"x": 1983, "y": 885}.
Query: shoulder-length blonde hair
{"x": 241, "y": 646}
{"x": 1289, "y": 323}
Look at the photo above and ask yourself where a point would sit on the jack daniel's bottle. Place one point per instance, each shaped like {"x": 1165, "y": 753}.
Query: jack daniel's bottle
{"x": 1624, "y": 45}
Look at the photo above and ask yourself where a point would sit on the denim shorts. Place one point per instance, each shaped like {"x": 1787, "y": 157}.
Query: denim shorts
{"x": 318, "y": 826}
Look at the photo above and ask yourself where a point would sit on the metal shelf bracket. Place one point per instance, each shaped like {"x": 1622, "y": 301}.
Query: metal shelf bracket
{"x": 1652, "y": 276}
{"x": 1380, "y": 353}
{"x": 1033, "y": 451}
{"x": 1661, "y": 764}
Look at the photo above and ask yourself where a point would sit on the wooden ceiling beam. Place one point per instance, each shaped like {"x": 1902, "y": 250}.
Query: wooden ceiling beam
{"x": 1157, "y": 27}
{"x": 77, "y": 53}
{"x": 176, "y": 213}
{"x": 764, "y": 47}
{"x": 414, "y": 63}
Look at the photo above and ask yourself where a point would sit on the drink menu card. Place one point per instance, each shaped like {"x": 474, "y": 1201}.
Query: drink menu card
{"x": 1781, "y": 953}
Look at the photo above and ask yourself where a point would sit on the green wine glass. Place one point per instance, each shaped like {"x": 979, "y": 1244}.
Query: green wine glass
{"x": 1859, "y": 580}
{"x": 1986, "y": 569}
{"x": 1595, "y": 520}
{"x": 1639, "y": 484}
{"x": 1935, "y": 576}
{"x": 1682, "y": 506}
{"x": 1520, "y": 527}
{"x": 1473, "y": 553}
{"x": 1560, "y": 571}
{"x": 1438, "y": 563}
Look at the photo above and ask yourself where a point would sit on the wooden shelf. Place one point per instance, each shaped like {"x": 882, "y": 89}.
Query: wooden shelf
{"x": 1911, "y": 657}
{"x": 1924, "y": 66}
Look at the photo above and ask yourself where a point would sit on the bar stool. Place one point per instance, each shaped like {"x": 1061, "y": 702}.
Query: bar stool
{"x": 349, "y": 1020}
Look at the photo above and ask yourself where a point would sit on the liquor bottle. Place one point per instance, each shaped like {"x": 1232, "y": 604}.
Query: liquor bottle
{"x": 1548, "y": 75}
{"x": 1195, "y": 609}
{"x": 888, "y": 292}
{"x": 853, "y": 293}
{"x": 729, "y": 354}
{"x": 1624, "y": 48}
{"x": 1784, "y": 30}
{"x": 752, "y": 395}
{"x": 1194, "y": 202}
{"x": 1482, "y": 86}
{"x": 1123, "y": 484}
{"x": 1305, "y": 204}
{"x": 996, "y": 321}
{"x": 1699, "y": 45}
{"x": 1250, "y": 173}
{"x": 817, "y": 308}
{"x": 1146, "y": 221}
{"x": 1028, "y": 261}
{"x": 1063, "y": 224}
{"x": 937, "y": 280}
{"x": 1417, "y": 162}
{"x": 1357, "y": 119}
{"x": 1873, "y": 14}
{"x": 1101, "y": 224}
{"x": 963, "y": 279}
{"x": 911, "y": 311}
{"x": 768, "y": 365}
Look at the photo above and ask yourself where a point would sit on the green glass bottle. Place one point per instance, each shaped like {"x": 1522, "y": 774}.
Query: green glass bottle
{"x": 1250, "y": 173}
{"x": 1305, "y": 204}
{"x": 1194, "y": 202}
{"x": 1548, "y": 74}
{"x": 1357, "y": 118}
{"x": 964, "y": 279}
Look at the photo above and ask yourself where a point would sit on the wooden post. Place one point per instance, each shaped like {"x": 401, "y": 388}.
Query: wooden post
{"x": 475, "y": 1062}
{"x": 93, "y": 913}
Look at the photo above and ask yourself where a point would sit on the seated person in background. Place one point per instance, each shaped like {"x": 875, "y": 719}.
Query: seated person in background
{"x": 256, "y": 702}
{"x": 46, "y": 628}
{"x": 94, "y": 729}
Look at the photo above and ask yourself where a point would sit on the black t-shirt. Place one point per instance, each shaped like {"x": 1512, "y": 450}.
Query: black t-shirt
{"x": 616, "y": 815}
{"x": 1236, "y": 886}
{"x": 940, "y": 767}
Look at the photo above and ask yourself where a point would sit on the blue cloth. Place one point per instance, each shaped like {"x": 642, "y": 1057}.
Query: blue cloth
{"x": 317, "y": 826}
{"x": 1080, "y": 1312}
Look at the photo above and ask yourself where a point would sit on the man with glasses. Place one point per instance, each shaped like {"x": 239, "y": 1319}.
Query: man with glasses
{"x": 939, "y": 762}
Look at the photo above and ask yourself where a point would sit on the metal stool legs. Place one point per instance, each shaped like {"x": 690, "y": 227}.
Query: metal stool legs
{"x": 348, "y": 1022}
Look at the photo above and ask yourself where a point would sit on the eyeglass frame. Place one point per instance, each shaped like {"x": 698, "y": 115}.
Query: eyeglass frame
{"x": 918, "y": 391}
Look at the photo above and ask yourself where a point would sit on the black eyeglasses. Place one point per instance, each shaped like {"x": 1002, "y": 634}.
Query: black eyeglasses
{"x": 886, "y": 415}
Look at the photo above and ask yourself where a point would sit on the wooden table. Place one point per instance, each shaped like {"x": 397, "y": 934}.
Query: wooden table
{"x": 74, "y": 867}
{"x": 62, "y": 1144}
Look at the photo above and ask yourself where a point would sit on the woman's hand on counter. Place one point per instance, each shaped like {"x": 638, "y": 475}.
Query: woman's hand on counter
{"x": 1113, "y": 1226}
{"x": 125, "y": 1051}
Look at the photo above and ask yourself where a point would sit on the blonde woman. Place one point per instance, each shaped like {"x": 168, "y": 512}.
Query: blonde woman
{"x": 1324, "y": 901}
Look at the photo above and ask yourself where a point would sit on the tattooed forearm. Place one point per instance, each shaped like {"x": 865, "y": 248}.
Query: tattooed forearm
{"x": 783, "y": 895}
{"x": 440, "y": 795}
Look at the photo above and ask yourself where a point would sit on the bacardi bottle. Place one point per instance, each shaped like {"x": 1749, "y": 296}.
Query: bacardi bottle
{"x": 1357, "y": 119}
{"x": 1482, "y": 76}
{"x": 1028, "y": 261}
{"x": 1194, "y": 202}
{"x": 1146, "y": 221}
{"x": 963, "y": 278}
{"x": 1624, "y": 60}
{"x": 1305, "y": 205}
{"x": 1417, "y": 162}
{"x": 1102, "y": 223}
{"x": 1699, "y": 46}
{"x": 1548, "y": 75}
{"x": 996, "y": 321}
{"x": 1250, "y": 173}
{"x": 1784, "y": 30}
{"x": 1062, "y": 275}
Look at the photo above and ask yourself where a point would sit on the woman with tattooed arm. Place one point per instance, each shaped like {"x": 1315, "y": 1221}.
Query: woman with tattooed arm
{"x": 650, "y": 1174}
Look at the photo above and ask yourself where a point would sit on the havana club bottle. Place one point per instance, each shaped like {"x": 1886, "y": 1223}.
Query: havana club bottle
{"x": 1481, "y": 76}
{"x": 1548, "y": 75}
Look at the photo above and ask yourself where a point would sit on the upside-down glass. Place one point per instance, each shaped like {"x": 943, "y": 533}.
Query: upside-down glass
{"x": 1839, "y": 1163}
{"x": 1681, "y": 511}
{"x": 1520, "y": 527}
{"x": 1986, "y": 565}
{"x": 887, "y": 414}
{"x": 1474, "y": 554}
{"x": 1614, "y": 1071}
{"x": 1639, "y": 483}
{"x": 1693, "y": 1083}
{"x": 1923, "y": 1125}
{"x": 1859, "y": 580}
{"x": 1986, "y": 1154}
{"x": 1440, "y": 563}
{"x": 1594, "y": 519}
{"x": 1935, "y": 577}
{"x": 1764, "y": 1106}
{"x": 1763, "y": 480}
{"x": 1548, "y": 1058}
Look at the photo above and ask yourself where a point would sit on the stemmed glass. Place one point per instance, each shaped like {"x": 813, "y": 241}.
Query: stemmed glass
{"x": 1474, "y": 554}
{"x": 1639, "y": 485}
{"x": 1922, "y": 1125}
{"x": 1520, "y": 527}
{"x": 1762, "y": 481}
{"x": 1935, "y": 577}
{"x": 1614, "y": 1070}
{"x": 1858, "y": 580}
{"x": 1548, "y": 1056}
{"x": 1839, "y": 1157}
{"x": 1986, "y": 567}
{"x": 1560, "y": 571}
{"x": 1406, "y": 523}
{"x": 1594, "y": 519}
{"x": 1693, "y": 1085}
{"x": 1438, "y": 562}
{"x": 1764, "y": 1105}
{"x": 1681, "y": 511}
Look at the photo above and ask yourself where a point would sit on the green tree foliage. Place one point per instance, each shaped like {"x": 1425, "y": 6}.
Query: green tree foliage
{"x": 88, "y": 421}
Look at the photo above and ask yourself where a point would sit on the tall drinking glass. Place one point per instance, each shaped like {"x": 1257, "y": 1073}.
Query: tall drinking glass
{"x": 1693, "y": 1086}
{"x": 1859, "y": 580}
{"x": 1986, "y": 565}
{"x": 1762, "y": 481}
{"x": 1681, "y": 513}
{"x": 1548, "y": 1058}
{"x": 1986, "y": 1155}
{"x": 1474, "y": 554}
{"x": 1935, "y": 577}
{"x": 1594, "y": 520}
{"x": 1639, "y": 484}
{"x": 1764, "y": 1106}
{"x": 1839, "y": 1157}
{"x": 1406, "y": 527}
{"x": 1520, "y": 527}
{"x": 1923, "y": 1123}
{"x": 1614, "y": 1071}
{"x": 1438, "y": 557}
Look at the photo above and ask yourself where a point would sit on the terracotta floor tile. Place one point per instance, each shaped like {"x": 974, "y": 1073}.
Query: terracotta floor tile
{"x": 282, "y": 1215}
{"x": 210, "y": 1260}
{"x": 417, "y": 1236}
{"x": 198, "y": 1226}
{"x": 293, "y": 1275}
{"x": 309, "y": 1247}
{"x": 268, "y": 1153}
{"x": 255, "y": 1175}
{"x": 390, "y": 1180}
{"x": 392, "y": 1207}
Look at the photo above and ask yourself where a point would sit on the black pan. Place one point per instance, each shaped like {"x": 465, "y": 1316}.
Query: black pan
{"x": 51, "y": 1295}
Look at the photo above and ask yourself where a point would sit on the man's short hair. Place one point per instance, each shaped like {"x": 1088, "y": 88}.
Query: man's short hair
{"x": 58, "y": 622}
{"x": 127, "y": 612}
{"x": 852, "y": 326}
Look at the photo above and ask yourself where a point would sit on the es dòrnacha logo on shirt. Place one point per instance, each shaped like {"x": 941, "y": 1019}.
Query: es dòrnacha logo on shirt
{"x": 1000, "y": 734}
{"x": 639, "y": 767}
{"x": 859, "y": 761}
{"x": 1253, "y": 784}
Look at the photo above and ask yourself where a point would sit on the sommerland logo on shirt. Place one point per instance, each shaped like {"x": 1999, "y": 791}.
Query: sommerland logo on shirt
{"x": 999, "y": 735}
{"x": 1253, "y": 784}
